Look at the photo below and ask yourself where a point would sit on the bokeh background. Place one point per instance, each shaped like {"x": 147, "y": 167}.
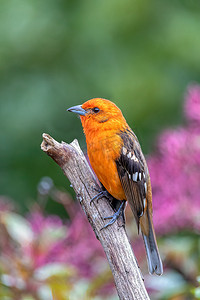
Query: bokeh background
{"x": 54, "y": 54}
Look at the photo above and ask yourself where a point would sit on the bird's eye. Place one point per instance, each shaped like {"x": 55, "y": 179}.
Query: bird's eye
{"x": 96, "y": 110}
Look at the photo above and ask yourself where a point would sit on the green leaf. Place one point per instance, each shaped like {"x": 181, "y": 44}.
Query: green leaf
{"x": 18, "y": 228}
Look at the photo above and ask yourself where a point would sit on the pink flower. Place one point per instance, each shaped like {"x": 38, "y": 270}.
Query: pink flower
{"x": 73, "y": 243}
{"x": 175, "y": 173}
{"x": 192, "y": 104}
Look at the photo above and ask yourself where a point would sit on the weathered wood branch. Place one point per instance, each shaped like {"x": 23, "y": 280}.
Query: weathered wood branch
{"x": 126, "y": 273}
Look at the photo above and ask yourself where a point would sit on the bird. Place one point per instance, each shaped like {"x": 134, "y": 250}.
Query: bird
{"x": 117, "y": 159}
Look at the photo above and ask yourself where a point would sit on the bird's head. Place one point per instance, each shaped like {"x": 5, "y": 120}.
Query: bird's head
{"x": 100, "y": 114}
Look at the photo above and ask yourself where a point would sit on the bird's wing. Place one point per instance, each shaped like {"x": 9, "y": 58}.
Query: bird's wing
{"x": 133, "y": 173}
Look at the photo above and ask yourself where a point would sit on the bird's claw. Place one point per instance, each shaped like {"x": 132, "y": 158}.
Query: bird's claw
{"x": 109, "y": 223}
{"x": 99, "y": 196}
{"x": 116, "y": 215}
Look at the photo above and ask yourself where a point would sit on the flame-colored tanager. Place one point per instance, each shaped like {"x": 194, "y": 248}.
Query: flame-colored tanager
{"x": 118, "y": 162}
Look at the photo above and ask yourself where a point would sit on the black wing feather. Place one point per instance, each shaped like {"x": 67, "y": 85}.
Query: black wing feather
{"x": 132, "y": 171}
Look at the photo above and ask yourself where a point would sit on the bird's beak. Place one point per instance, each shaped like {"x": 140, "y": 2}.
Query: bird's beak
{"x": 77, "y": 110}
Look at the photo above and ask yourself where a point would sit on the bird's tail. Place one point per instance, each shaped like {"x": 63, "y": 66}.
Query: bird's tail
{"x": 153, "y": 257}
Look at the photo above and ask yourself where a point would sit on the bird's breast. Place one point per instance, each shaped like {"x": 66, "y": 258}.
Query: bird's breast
{"x": 103, "y": 151}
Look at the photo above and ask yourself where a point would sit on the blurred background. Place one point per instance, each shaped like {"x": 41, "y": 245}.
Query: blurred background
{"x": 140, "y": 54}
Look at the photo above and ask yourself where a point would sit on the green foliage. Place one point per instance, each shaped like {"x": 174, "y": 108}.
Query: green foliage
{"x": 54, "y": 54}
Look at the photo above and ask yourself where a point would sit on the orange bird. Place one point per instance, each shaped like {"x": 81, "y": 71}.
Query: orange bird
{"x": 117, "y": 160}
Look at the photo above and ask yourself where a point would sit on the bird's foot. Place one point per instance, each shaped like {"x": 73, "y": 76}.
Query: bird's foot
{"x": 100, "y": 195}
{"x": 117, "y": 214}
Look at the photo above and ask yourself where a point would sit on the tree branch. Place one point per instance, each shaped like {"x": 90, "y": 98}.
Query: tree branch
{"x": 126, "y": 273}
